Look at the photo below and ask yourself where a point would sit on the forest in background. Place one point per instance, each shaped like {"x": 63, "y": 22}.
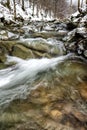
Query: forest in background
{"x": 55, "y": 8}
{"x": 43, "y": 8}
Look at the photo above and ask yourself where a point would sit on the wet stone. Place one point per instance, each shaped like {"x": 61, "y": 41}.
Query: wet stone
{"x": 85, "y": 53}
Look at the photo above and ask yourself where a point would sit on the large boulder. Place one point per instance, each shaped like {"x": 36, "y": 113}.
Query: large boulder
{"x": 50, "y": 46}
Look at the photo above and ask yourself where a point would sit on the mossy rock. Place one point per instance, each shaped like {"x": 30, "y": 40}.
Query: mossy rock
{"x": 40, "y": 45}
{"x": 22, "y": 52}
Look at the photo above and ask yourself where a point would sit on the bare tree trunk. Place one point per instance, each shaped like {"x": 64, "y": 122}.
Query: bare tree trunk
{"x": 78, "y": 3}
{"x": 37, "y": 9}
{"x": 33, "y": 6}
{"x": 23, "y": 4}
{"x": 30, "y": 3}
{"x": 55, "y": 8}
{"x": 81, "y": 3}
{"x": 86, "y": 2}
{"x": 14, "y": 10}
{"x": 71, "y": 3}
{"x": 86, "y": 5}
{"x": 79, "y": 6}
{"x": 8, "y": 4}
{"x": 19, "y": 1}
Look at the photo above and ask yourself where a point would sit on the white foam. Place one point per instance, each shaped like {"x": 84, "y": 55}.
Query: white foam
{"x": 15, "y": 80}
{"x": 25, "y": 70}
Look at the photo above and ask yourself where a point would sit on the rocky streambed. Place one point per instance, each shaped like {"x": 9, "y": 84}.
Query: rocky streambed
{"x": 58, "y": 95}
{"x": 50, "y": 38}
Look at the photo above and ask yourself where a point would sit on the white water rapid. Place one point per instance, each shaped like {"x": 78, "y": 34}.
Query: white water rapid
{"x": 15, "y": 81}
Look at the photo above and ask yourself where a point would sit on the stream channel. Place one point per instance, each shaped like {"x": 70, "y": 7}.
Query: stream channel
{"x": 41, "y": 87}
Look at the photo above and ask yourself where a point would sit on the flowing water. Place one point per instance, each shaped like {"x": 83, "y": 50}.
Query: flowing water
{"x": 16, "y": 80}
{"x": 35, "y": 90}
{"x": 43, "y": 93}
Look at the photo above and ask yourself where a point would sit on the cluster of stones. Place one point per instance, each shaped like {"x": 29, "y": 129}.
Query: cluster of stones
{"x": 66, "y": 36}
{"x": 76, "y": 39}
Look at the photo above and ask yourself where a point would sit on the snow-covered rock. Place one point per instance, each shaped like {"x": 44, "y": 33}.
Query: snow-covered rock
{"x": 6, "y": 35}
{"x": 82, "y": 31}
{"x": 76, "y": 39}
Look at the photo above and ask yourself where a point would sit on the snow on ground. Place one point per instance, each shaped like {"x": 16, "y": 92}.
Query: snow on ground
{"x": 5, "y": 12}
{"x": 26, "y": 15}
